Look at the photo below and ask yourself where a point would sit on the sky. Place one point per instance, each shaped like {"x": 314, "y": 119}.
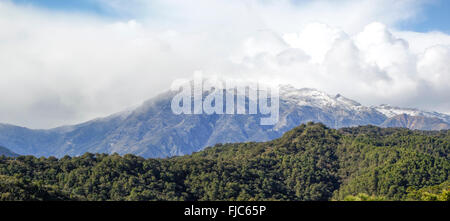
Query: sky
{"x": 65, "y": 62}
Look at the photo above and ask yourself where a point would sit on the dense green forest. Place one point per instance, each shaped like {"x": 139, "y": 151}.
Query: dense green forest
{"x": 310, "y": 162}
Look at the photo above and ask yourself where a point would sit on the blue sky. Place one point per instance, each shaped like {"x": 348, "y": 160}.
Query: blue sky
{"x": 86, "y": 6}
{"x": 433, "y": 16}
{"x": 82, "y": 5}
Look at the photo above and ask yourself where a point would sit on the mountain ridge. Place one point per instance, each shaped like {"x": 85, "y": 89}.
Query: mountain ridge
{"x": 152, "y": 130}
{"x": 6, "y": 152}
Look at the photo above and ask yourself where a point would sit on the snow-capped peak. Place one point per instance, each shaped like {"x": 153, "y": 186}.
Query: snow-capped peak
{"x": 391, "y": 111}
{"x": 316, "y": 98}
{"x": 347, "y": 101}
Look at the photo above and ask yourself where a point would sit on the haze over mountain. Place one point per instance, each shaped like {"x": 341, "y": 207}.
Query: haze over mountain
{"x": 152, "y": 130}
{"x": 6, "y": 152}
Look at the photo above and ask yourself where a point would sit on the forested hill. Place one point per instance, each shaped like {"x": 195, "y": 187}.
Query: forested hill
{"x": 310, "y": 162}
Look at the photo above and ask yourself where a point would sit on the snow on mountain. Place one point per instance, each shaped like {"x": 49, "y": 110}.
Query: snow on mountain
{"x": 316, "y": 98}
{"x": 391, "y": 111}
{"x": 153, "y": 130}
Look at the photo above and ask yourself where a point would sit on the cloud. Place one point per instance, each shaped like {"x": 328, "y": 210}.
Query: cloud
{"x": 315, "y": 39}
{"x": 434, "y": 66}
{"x": 82, "y": 66}
{"x": 373, "y": 66}
{"x": 62, "y": 67}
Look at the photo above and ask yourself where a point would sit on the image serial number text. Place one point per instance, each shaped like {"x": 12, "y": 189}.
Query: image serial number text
{"x": 233, "y": 211}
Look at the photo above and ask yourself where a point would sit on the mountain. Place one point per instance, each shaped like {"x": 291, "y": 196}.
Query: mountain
{"x": 6, "y": 152}
{"x": 153, "y": 130}
{"x": 415, "y": 122}
{"x": 391, "y": 111}
{"x": 309, "y": 162}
